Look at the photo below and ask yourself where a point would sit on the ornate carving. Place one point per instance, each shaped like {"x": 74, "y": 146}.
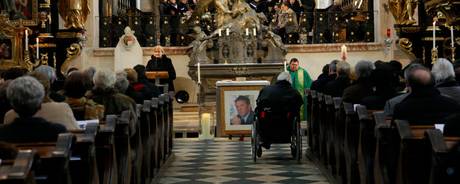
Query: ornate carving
{"x": 403, "y": 11}
{"x": 74, "y": 13}
{"x": 405, "y": 45}
{"x": 72, "y": 52}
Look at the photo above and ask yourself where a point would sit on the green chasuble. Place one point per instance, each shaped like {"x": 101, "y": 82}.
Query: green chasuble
{"x": 300, "y": 81}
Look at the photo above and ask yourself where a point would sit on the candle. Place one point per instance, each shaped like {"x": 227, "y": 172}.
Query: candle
{"x": 220, "y": 32}
{"x": 284, "y": 64}
{"x": 434, "y": 34}
{"x": 452, "y": 36}
{"x": 247, "y": 31}
{"x": 254, "y": 31}
{"x": 38, "y": 49}
{"x": 228, "y": 31}
{"x": 199, "y": 74}
{"x": 343, "y": 52}
{"x": 26, "y": 40}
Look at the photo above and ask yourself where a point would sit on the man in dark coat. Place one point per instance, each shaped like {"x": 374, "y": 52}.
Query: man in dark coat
{"x": 160, "y": 62}
{"x": 279, "y": 98}
{"x": 424, "y": 105}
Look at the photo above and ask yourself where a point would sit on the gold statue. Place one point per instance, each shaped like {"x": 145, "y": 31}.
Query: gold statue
{"x": 74, "y": 13}
{"x": 403, "y": 11}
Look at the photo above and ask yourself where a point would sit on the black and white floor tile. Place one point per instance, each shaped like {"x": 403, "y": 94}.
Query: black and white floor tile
{"x": 229, "y": 162}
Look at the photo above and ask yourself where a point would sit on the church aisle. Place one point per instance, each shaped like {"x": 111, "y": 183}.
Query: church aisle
{"x": 228, "y": 162}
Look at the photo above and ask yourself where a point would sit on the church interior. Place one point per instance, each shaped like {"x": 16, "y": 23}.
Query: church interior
{"x": 229, "y": 91}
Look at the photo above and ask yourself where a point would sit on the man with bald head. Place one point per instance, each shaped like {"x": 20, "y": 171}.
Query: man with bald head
{"x": 424, "y": 105}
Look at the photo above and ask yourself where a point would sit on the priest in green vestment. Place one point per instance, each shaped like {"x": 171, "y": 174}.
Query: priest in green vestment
{"x": 300, "y": 80}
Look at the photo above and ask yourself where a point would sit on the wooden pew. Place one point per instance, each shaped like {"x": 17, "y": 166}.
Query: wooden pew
{"x": 321, "y": 128}
{"x": 414, "y": 154}
{"x": 136, "y": 146}
{"x": 53, "y": 158}
{"x": 445, "y": 158}
{"x": 327, "y": 133}
{"x": 147, "y": 142}
{"x": 314, "y": 129}
{"x": 366, "y": 145}
{"x": 123, "y": 132}
{"x": 155, "y": 119}
{"x": 387, "y": 149}
{"x": 351, "y": 143}
{"x": 105, "y": 151}
{"x": 19, "y": 170}
{"x": 83, "y": 164}
{"x": 338, "y": 128}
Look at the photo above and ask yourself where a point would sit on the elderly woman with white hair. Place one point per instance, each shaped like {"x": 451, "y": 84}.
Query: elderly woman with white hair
{"x": 444, "y": 76}
{"x": 104, "y": 93}
{"x": 25, "y": 95}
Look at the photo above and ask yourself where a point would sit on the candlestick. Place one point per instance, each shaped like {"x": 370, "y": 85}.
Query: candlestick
{"x": 26, "y": 40}
{"x": 254, "y": 31}
{"x": 247, "y": 31}
{"x": 220, "y": 32}
{"x": 38, "y": 49}
{"x": 434, "y": 34}
{"x": 228, "y": 31}
{"x": 199, "y": 74}
{"x": 452, "y": 36}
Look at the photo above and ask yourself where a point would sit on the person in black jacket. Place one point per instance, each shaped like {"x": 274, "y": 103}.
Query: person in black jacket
{"x": 336, "y": 87}
{"x": 424, "y": 105}
{"x": 278, "y": 99}
{"x": 160, "y": 62}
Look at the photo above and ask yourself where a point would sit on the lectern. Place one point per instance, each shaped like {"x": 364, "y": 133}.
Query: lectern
{"x": 157, "y": 75}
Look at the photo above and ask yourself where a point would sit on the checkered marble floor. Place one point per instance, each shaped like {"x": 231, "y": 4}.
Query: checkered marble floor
{"x": 229, "y": 162}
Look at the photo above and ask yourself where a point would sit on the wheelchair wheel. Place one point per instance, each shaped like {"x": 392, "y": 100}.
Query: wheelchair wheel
{"x": 296, "y": 142}
{"x": 254, "y": 141}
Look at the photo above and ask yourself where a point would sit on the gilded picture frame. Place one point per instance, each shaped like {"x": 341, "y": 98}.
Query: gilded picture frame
{"x": 21, "y": 10}
{"x": 8, "y": 52}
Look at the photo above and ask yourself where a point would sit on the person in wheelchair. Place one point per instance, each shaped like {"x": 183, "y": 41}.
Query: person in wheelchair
{"x": 278, "y": 103}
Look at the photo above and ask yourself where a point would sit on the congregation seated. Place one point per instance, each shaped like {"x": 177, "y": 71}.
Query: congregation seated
{"x": 444, "y": 75}
{"x": 74, "y": 91}
{"x": 327, "y": 76}
{"x": 26, "y": 95}
{"x": 336, "y": 87}
{"x": 6, "y": 77}
{"x": 384, "y": 89}
{"x": 424, "y": 104}
{"x": 104, "y": 93}
{"x": 362, "y": 87}
{"x": 56, "y": 112}
{"x": 50, "y": 72}
{"x": 140, "y": 90}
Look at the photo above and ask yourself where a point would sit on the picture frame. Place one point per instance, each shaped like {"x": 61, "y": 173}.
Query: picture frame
{"x": 230, "y": 122}
{"x": 7, "y": 51}
{"x": 25, "y": 11}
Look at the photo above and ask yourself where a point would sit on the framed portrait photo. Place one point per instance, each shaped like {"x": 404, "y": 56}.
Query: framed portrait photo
{"x": 236, "y": 106}
{"x": 25, "y": 10}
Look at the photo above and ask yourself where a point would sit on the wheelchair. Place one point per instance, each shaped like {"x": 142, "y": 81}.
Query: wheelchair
{"x": 275, "y": 127}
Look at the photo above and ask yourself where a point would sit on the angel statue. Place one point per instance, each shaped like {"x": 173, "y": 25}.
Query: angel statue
{"x": 403, "y": 11}
{"x": 74, "y": 13}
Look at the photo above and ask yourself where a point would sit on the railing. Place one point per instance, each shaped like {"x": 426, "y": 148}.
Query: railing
{"x": 314, "y": 27}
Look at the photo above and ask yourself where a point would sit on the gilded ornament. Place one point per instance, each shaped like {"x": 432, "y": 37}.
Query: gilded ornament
{"x": 74, "y": 13}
